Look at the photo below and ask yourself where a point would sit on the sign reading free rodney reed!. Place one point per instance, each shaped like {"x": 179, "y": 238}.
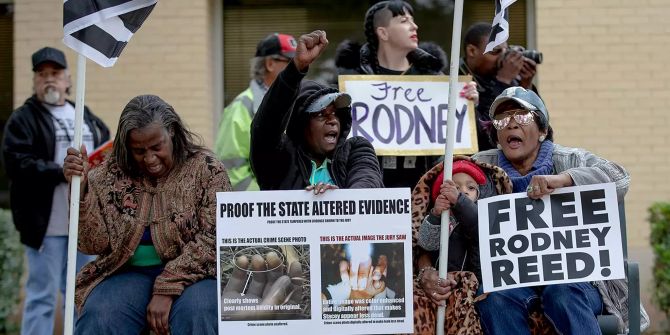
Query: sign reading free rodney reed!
{"x": 407, "y": 115}
{"x": 334, "y": 263}
{"x": 571, "y": 235}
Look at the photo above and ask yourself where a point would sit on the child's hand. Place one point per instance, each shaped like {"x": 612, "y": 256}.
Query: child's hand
{"x": 448, "y": 196}
{"x": 450, "y": 191}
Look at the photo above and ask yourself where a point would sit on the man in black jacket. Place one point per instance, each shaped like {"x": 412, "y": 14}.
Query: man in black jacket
{"x": 494, "y": 72}
{"x": 37, "y": 136}
{"x": 299, "y": 134}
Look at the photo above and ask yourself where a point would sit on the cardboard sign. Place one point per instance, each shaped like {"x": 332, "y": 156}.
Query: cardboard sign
{"x": 334, "y": 263}
{"x": 407, "y": 115}
{"x": 571, "y": 235}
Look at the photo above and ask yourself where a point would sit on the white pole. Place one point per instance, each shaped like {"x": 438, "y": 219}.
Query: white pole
{"x": 454, "y": 61}
{"x": 74, "y": 200}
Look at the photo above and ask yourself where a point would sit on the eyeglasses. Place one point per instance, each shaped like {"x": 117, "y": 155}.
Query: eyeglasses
{"x": 522, "y": 117}
{"x": 281, "y": 59}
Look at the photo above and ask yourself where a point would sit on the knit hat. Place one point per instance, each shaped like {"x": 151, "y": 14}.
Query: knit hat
{"x": 527, "y": 99}
{"x": 460, "y": 166}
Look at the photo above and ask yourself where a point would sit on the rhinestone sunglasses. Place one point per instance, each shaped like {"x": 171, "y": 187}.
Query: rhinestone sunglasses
{"x": 522, "y": 117}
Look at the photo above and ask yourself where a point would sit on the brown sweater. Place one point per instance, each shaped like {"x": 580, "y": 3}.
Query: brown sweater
{"x": 180, "y": 210}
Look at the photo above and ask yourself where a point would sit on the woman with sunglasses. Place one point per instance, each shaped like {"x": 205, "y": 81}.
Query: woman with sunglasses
{"x": 538, "y": 166}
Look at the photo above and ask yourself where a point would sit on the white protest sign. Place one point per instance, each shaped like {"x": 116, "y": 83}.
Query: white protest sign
{"x": 295, "y": 262}
{"x": 571, "y": 235}
{"x": 407, "y": 115}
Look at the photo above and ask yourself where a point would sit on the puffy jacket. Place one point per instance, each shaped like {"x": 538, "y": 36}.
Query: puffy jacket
{"x": 233, "y": 140}
{"x": 28, "y": 149}
{"x": 279, "y": 157}
{"x": 352, "y": 58}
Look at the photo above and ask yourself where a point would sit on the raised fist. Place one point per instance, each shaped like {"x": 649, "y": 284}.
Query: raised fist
{"x": 310, "y": 46}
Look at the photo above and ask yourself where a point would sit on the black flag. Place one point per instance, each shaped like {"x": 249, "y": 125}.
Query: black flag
{"x": 100, "y": 29}
{"x": 500, "y": 26}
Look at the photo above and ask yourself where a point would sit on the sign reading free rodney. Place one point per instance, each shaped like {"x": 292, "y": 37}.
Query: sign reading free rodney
{"x": 407, "y": 115}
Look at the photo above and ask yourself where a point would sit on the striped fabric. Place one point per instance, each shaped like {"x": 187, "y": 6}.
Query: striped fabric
{"x": 100, "y": 29}
{"x": 500, "y": 25}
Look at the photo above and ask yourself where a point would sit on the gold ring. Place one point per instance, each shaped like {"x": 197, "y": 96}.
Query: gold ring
{"x": 434, "y": 294}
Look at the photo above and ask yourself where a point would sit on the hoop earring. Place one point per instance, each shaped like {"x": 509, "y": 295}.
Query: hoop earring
{"x": 542, "y": 137}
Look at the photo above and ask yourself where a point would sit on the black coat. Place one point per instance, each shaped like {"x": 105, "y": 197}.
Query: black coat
{"x": 28, "y": 149}
{"x": 278, "y": 155}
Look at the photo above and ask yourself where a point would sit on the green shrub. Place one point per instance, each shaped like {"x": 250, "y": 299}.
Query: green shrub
{"x": 659, "y": 218}
{"x": 11, "y": 269}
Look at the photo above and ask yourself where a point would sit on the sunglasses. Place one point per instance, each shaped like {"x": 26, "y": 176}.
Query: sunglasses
{"x": 522, "y": 117}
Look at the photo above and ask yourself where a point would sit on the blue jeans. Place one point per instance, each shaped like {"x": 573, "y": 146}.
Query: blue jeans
{"x": 571, "y": 308}
{"x": 47, "y": 274}
{"x": 118, "y": 305}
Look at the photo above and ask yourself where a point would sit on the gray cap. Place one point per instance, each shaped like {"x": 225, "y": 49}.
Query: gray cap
{"x": 341, "y": 100}
{"x": 526, "y": 98}
{"x": 48, "y": 54}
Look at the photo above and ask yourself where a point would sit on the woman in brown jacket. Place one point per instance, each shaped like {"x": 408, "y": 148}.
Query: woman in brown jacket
{"x": 148, "y": 212}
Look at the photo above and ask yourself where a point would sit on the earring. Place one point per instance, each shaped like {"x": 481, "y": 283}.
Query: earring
{"x": 499, "y": 146}
{"x": 542, "y": 137}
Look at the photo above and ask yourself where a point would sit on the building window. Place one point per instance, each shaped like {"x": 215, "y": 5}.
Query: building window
{"x": 245, "y": 22}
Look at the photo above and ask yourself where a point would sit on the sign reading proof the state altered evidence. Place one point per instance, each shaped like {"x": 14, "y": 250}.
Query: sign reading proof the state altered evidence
{"x": 571, "y": 235}
{"x": 295, "y": 262}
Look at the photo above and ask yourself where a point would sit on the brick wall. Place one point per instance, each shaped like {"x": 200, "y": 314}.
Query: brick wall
{"x": 169, "y": 56}
{"x": 605, "y": 82}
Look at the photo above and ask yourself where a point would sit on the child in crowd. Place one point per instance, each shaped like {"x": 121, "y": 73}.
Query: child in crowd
{"x": 458, "y": 194}
{"x": 470, "y": 181}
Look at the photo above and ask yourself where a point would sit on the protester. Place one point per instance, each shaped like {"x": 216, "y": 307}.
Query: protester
{"x": 299, "y": 134}
{"x": 232, "y": 145}
{"x": 493, "y": 71}
{"x": 392, "y": 49}
{"x": 148, "y": 211}
{"x": 36, "y": 137}
{"x": 538, "y": 166}
{"x": 470, "y": 181}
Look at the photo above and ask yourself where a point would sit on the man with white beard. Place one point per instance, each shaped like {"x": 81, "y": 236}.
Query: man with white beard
{"x": 34, "y": 146}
